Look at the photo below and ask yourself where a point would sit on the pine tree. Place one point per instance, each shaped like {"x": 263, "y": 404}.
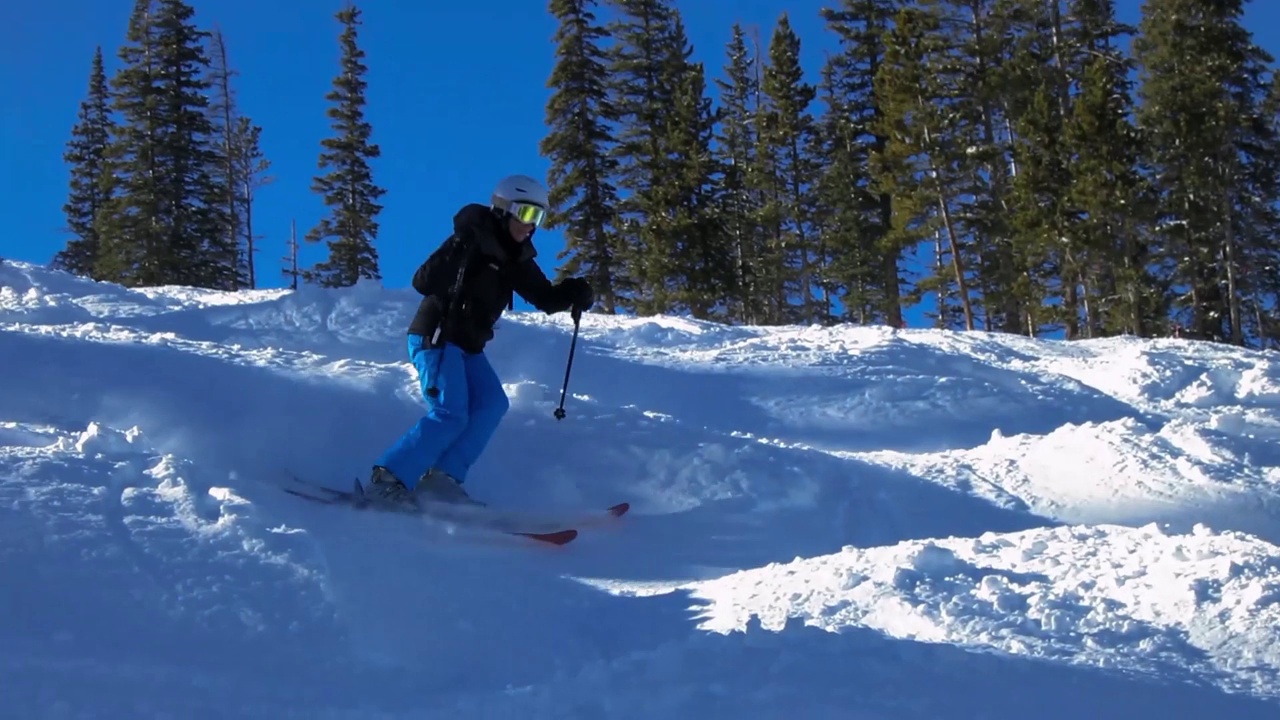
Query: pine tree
{"x": 290, "y": 269}
{"x": 649, "y": 70}
{"x": 1203, "y": 84}
{"x": 86, "y": 154}
{"x": 865, "y": 264}
{"x": 129, "y": 225}
{"x": 164, "y": 224}
{"x": 583, "y": 198}
{"x": 786, "y": 133}
{"x": 1041, "y": 252}
{"x": 928, "y": 126}
{"x": 348, "y": 189}
{"x": 984, "y": 91}
{"x": 223, "y": 114}
{"x": 241, "y": 168}
{"x": 1108, "y": 200}
{"x": 702, "y": 261}
{"x": 251, "y": 167}
{"x": 1038, "y": 219}
{"x": 843, "y": 207}
{"x": 1260, "y": 311}
{"x": 735, "y": 149}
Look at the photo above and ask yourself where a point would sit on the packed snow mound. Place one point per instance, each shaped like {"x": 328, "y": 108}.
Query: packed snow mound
{"x": 843, "y": 522}
{"x": 1140, "y": 599}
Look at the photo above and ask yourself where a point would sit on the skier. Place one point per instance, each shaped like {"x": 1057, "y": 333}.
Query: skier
{"x": 467, "y": 283}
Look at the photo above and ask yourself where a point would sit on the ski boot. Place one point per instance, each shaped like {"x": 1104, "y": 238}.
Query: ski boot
{"x": 386, "y": 490}
{"x": 439, "y": 486}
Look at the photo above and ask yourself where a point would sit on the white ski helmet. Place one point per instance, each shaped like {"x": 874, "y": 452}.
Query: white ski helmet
{"x": 522, "y": 196}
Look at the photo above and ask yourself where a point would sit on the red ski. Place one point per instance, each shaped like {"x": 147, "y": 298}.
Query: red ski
{"x": 563, "y": 537}
{"x": 559, "y": 537}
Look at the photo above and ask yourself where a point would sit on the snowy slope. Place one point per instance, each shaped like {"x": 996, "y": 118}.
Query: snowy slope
{"x": 829, "y": 522}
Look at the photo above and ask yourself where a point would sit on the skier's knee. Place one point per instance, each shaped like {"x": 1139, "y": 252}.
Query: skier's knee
{"x": 450, "y": 420}
{"x": 495, "y": 407}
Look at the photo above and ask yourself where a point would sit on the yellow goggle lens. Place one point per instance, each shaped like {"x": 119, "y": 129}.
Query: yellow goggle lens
{"x": 528, "y": 213}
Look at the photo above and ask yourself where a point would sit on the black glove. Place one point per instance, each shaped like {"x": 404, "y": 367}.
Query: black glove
{"x": 578, "y": 291}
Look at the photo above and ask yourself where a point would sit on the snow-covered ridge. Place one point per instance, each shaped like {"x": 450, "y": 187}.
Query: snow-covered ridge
{"x": 829, "y": 522}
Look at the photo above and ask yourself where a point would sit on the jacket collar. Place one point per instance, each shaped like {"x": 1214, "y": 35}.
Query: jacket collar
{"x": 491, "y": 234}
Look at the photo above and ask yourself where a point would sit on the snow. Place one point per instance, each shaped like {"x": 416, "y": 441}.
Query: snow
{"x": 848, "y": 522}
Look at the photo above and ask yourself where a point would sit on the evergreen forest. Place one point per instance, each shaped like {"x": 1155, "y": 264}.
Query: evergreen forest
{"x": 1023, "y": 166}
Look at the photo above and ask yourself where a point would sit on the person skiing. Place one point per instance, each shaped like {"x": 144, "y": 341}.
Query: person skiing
{"x": 467, "y": 283}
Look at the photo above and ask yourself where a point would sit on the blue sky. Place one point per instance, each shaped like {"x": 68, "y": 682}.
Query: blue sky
{"x": 457, "y": 96}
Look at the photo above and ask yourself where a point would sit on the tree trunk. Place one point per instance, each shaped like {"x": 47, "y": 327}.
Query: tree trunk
{"x": 248, "y": 232}
{"x": 1229, "y": 259}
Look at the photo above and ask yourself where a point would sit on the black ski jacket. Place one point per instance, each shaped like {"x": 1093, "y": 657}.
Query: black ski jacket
{"x": 468, "y": 282}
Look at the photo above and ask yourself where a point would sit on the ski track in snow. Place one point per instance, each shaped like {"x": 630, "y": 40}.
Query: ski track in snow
{"x": 828, "y": 522}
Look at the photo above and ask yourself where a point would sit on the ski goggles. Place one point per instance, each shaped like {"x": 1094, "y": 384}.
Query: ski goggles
{"x": 528, "y": 213}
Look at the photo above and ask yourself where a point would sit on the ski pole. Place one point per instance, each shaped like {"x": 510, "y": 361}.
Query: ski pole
{"x": 577, "y": 316}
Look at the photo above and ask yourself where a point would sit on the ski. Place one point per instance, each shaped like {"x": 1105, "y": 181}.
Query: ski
{"x": 331, "y": 496}
{"x": 559, "y": 537}
{"x": 527, "y": 525}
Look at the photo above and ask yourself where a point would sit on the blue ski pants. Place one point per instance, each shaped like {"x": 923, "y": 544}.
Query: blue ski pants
{"x": 460, "y": 420}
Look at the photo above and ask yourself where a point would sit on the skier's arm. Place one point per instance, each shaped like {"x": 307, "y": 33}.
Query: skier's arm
{"x": 538, "y": 291}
